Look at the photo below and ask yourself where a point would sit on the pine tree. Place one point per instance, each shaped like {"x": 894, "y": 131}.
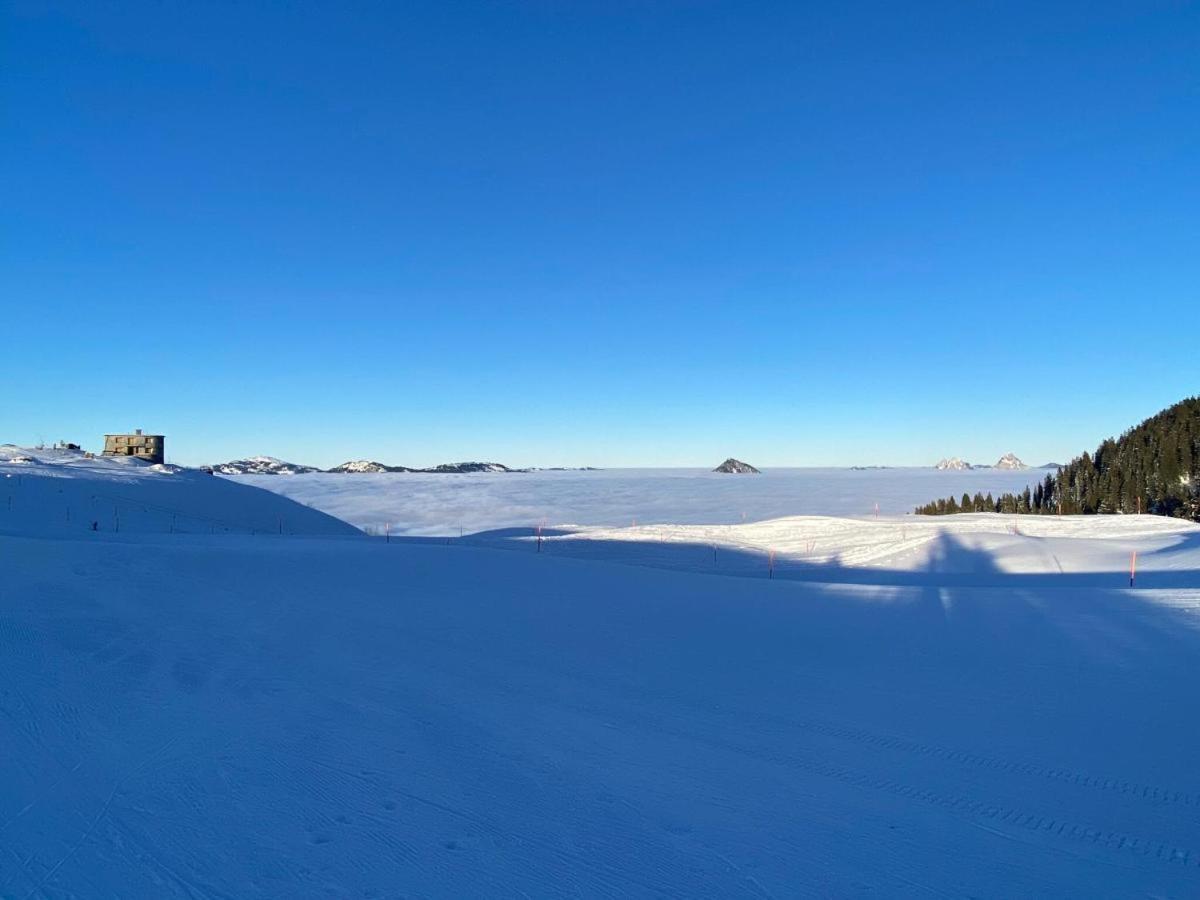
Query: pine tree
{"x": 1154, "y": 466}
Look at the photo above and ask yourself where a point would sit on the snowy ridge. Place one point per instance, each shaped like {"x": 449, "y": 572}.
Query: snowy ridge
{"x": 261, "y": 465}
{"x": 461, "y": 468}
{"x": 364, "y": 466}
{"x": 270, "y": 465}
{"x": 64, "y": 492}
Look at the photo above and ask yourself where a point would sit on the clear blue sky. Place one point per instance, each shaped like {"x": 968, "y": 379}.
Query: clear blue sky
{"x": 599, "y": 233}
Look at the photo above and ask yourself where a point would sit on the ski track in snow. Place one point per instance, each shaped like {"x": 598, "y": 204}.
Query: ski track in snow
{"x": 912, "y": 707}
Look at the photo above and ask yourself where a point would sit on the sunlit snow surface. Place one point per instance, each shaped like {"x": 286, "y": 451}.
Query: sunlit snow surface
{"x": 422, "y": 504}
{"x": 968, "y": 706}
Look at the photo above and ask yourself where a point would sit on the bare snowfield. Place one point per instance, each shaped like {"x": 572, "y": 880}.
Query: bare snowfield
{"x": 910, "y": 707}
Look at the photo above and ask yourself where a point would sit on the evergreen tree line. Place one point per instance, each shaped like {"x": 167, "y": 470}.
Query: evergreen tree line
{"x": 1152, "y": 468}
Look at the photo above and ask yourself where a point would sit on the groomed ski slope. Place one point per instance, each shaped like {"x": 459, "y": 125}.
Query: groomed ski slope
{"x": 241, "y": 715}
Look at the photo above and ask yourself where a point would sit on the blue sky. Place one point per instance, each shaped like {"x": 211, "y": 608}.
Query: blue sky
{"x": 607, "y": 234}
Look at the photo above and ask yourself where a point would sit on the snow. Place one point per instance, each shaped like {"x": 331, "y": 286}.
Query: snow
{"x": 358, "y": 466}
{"x": 439, "y": 504}
{"x": 57, "y": 491}
{"x": 982, "y": 548}
{"x": 910, "y": 707}
{"x": 261, "y": 465}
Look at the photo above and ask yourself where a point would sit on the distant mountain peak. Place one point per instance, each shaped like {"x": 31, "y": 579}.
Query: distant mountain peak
{"x": 1009, "y": 461}
{"x": 953, "y": 464}
{"x": 365, "y": 466}
{"x": 463, "y": 467}
{"x": 733, "y": 466}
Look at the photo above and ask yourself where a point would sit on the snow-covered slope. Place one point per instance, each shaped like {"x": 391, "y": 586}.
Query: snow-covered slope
{"x": 261, "y": 465}
{"x": 63, "y": 491}
{"x": 982, "y": 546}
{"x": 236, "y": 716}
{"x": 808, "y": 706}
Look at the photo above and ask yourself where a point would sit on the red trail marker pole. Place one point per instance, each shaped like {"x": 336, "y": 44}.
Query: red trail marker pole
{"x": 1132, "y": 567}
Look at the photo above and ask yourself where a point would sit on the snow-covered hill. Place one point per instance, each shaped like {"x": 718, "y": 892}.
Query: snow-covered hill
{"x": 953, "y": 464}
{"x": 64, "y": 492}
{"x": 238, "y": 716}
{"x": 461, "y": 468}
{"x": 361, "y": 466}
{"x": 261, "y": 465}
{"x": 805, "y": 706}
{"x": 985, "y": 546}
